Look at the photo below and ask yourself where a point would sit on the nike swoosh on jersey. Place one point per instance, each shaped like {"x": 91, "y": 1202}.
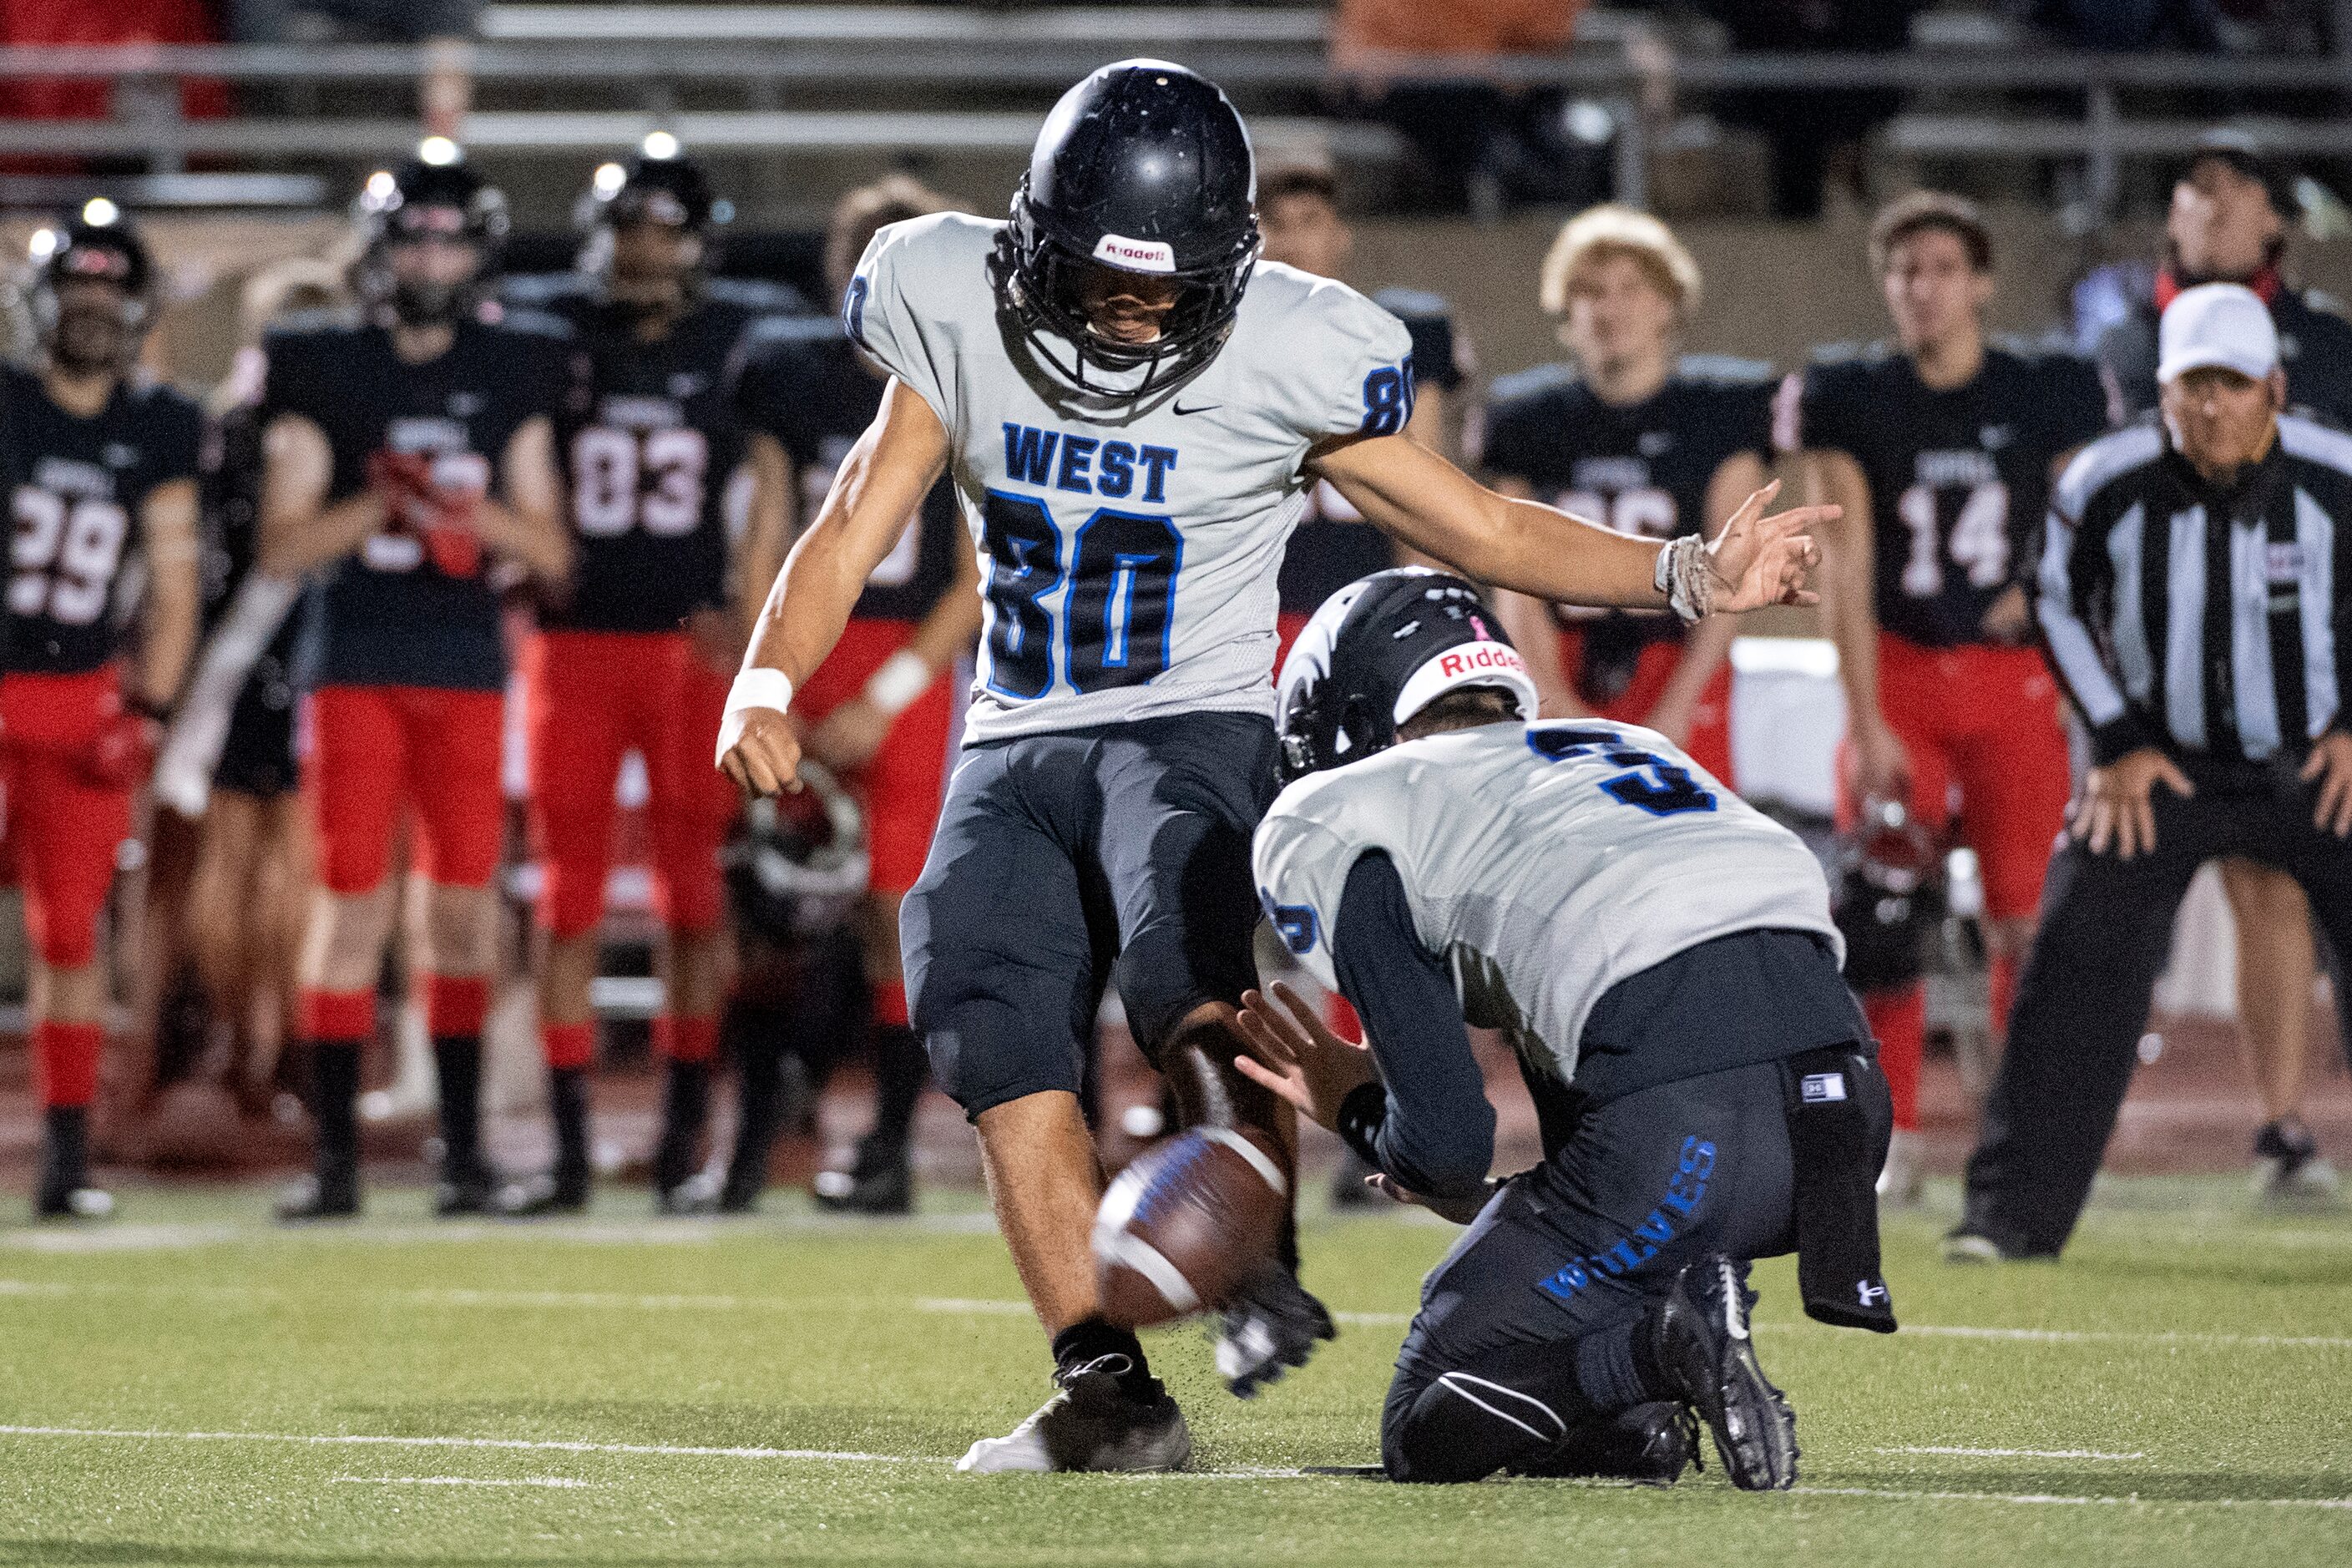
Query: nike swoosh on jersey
{"x": 1199, "y": 408}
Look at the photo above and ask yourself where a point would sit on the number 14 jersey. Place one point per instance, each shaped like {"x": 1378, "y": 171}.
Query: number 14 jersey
{"x": 1960, "y": 479}
{"x": 1129, "y": 550}
{"x": 75, "y": 491}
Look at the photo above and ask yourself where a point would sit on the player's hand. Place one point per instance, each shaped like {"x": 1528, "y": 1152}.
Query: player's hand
{"x": 2331, "y": 764}
{"x": 2118, "y": 806}
{"x": 2008, "y": 619}
{"x": 1298, "y": 1056}
{"x": 848, "y": 737}
{"x": 1757, "y": 561}
{"x": 759, "y": 749}
{"x": 1882, "y": 768}
{"x": 122, "y": 754}
{"x": 1461, "y": 1211}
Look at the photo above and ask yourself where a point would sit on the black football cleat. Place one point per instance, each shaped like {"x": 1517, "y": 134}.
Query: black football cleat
{"x": 1270, "y": 1326}
{"x": 328, "y": 1194}
{"x": 466, "y": 1187}
{"x": 1652, "y": 1443}
{"x": 1703, "y": 1346}
{"x": 1094, "y": 1422}
{"x": 561, "y": 1191}
{"x": 63, "y": 1189}
{"x": 881, "y": 1182}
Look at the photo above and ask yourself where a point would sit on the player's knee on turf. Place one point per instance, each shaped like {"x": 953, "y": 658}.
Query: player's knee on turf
{"x": 1459, "y": 1426}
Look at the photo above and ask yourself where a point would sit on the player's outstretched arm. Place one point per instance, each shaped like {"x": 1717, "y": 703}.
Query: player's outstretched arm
{"x": 1419, "y": 497}
{"x": 299, "y": 531}
{"x": 874, "y": 495}
{"x": 167, "y": 527}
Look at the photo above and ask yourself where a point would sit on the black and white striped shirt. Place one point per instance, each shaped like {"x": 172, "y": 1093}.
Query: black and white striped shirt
{"x": 2201, "y": 620}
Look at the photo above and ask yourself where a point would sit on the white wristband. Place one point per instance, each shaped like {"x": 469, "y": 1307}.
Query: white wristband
{"x": 903, "y": 677}
{"x": 756, "y": 686}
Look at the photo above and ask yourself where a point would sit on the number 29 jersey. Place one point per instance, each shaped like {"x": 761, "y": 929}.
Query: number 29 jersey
{"x": 1129, "y": 551}
{"x": 75, "y": 491}
{"x": 1960, "y": 479}
{"x": 1543, "y": 863}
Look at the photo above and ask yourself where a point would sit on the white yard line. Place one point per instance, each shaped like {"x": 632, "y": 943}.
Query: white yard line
{"x": 564, "y": 1483}
{"x": 2015, "y": 1453}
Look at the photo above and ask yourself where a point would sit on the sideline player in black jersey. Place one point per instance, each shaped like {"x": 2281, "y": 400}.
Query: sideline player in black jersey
{"x": 1655, "y": 446}
{"x": 100, "y": 471}
{"x": 638, "y": 655}
{"x": 879, "y": 709}
{"x": 408, "y": 456}
{"x": 1946, "y": 444}
{"x": 1301, "y": 225}
{"x": 228, "y": 765}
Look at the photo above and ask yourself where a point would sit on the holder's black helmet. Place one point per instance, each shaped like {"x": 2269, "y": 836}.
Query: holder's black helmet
{"x": 1379, "y": 651}
{"x": 1142, "y": 168}
{"x": 420, "y": 200}
{"x": 674, "y": 191}
{"x": 99, "y": 244}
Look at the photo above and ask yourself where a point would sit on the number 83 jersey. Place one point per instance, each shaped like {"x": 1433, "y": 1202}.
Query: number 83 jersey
{"x": 1960, "y": 478}
{"x": 75, "y": 491}
{"x": 1543, "y": 863}
{"x": 1129, "y": 550}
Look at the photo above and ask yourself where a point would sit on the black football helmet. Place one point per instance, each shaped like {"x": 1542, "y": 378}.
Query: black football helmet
{"x": 1379, "y": 651}
{"x": 1143, "y": 167}
{"x": 98, "y": 245}
{"x": 800, "y": 863}
{"x": 673, "y": 192}
{"x": 1890, "y": 896}
{"x": 421, "y": 200}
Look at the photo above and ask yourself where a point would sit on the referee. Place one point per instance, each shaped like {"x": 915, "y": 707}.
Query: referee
{"x": 2191, "y": 590}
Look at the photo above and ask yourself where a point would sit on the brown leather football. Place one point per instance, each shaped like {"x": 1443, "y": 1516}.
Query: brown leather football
{"x": 1186, "y": 1224}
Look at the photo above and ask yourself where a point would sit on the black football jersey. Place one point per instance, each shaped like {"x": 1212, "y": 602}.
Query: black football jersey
{"x": 1332, "y": 544}
{"x": 1641, "y": 470}
{"x": 652, "y": 448}
{"x": 1959, "y": 479}
{"x": 805, "y": 384}
{"x": 76, "y": 488}
{"x": 385, "y": 615}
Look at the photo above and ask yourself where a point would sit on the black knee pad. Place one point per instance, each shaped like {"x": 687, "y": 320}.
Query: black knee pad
{"x": 1460, "y": 1426}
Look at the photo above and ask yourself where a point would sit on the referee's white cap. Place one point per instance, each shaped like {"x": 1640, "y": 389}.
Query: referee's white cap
{"x": 2223, "y": 324}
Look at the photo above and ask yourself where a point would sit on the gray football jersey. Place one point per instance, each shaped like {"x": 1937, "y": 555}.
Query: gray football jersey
{"x": 1544, "y": 862}
{"x": 1129, "y": 551}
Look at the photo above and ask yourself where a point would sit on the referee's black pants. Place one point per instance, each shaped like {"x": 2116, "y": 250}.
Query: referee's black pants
{"x": 2082, "y": 1003}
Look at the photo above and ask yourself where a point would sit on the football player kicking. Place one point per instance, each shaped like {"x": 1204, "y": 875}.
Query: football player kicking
{"x": 404, "y": 456}
{"x": 635, "y": 656}
{"x": 1941, "y": 449}
{"x": 1131, "y": 407}
{"x": 1661, "y": 956}
{"x": 102, "y": 470}
{"x": 1654, "y": 445}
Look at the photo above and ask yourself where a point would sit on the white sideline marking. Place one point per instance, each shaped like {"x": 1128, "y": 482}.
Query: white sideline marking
{"x": 169, "y": 1235}
{"x": 2015, "y": 1453}
{"x": 2042, "y": 1497}
{"x": 565, "y": 1482}
{"x": 520, "y": 1445}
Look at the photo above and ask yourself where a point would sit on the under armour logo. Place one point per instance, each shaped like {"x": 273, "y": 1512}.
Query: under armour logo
{"x": 1872, "y": 1293}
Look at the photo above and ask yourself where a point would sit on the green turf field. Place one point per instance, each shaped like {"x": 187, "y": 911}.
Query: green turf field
{"x": 191, "y": 1387}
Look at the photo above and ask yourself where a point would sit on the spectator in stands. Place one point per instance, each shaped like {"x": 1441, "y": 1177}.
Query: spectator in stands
{"x": 1810, "y": 130}
{"x": 1480, "y": 140}
{"x": 445, "y": 91}
{"x": 2227, "y": 223}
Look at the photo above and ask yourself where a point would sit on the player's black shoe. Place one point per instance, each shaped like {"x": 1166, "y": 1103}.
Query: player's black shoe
{"x": 1702, "y": 1344}
{"x": 466, "y": 1187}
{"x": 1270, "y": 1326}
{"x": 560, "y": 1190}
{"x": 330, "y": 1194}
{"x": 1096, "y": 1421}
{"x": 1649, "y": 1443}
{"x": 880, "y": 1182}
{"x": 63, "y": 1189}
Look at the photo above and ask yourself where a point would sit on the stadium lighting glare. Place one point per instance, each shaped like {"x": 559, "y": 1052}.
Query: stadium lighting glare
{"x": 98, "y": 212}
{"x": 608, "y": 178}
{"x": 438, "y": 152}
{"x": 44, "y": 244}
{"x": 660, "y": 146}
{"x": 379, "y": 185}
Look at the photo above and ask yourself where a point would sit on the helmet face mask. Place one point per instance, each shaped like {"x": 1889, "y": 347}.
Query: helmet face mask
{"x": 1144, "y": 169}
{"x": 89, "y": 296}
{"x": 413, "y": 218}
{"x": 1379, "y": 652}
{"x": 647, "y": 224}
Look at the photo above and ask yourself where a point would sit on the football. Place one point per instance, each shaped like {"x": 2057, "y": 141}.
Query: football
{"x": 1185, "y": 1224}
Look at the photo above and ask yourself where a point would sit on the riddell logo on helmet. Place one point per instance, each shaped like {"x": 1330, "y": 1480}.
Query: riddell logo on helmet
{"x": 1136, "y": 254}
{"x": 1480, "y": 655}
